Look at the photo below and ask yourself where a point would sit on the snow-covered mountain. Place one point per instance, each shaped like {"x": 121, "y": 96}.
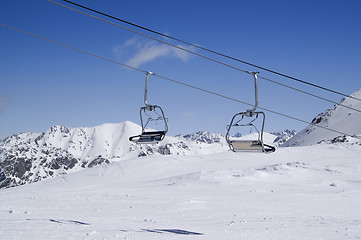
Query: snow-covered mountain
{"x": 204, "y": 137}
{"x": 309, "y": 192}
{"x": 30, "y": 157}
{"x": 283, "y": 137}
{"x": 338, "y": 118}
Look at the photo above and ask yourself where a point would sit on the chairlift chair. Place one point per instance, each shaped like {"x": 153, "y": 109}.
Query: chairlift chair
{"x": 240, "y": 120}
{"x": 148, "y": 115}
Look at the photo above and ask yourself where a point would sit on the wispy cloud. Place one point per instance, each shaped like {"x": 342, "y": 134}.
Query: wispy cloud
{"x": 137, "y": 53}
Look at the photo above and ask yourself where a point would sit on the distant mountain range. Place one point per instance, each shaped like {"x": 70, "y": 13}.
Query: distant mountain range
{"x": 30, "y": 157}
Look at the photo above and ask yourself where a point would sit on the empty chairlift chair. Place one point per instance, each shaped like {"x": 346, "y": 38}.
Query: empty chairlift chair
{"x": 248, "y": 119}
{"x": 151, "y": 116}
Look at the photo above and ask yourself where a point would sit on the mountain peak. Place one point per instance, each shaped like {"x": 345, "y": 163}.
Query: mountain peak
{"x": 283, "y": 136}
{"x": 204, "y": 137}
{"x": 30, "y": 157}
{"x": 337, "y": 118}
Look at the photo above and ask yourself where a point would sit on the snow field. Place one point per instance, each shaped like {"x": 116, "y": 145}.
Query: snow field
{"x": 295, "y": 193}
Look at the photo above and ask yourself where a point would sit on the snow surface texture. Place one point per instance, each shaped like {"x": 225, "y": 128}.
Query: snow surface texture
{"x": 295, "y": 193}
{"x": 338, "y": 118}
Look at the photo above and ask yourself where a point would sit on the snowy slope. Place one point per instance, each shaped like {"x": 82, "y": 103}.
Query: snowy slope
{"x": 338, "y": 118}
{"x": 31, "y": 157}
{"x": 283, "y": 137}
{"x": 107, "y": 140}
{"x": 295, "y": 193}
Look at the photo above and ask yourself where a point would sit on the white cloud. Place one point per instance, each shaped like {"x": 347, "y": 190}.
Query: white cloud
{"x": 149, "y": 53}
{"x": 120, "y": 50}
{"x": 138, "y": 52}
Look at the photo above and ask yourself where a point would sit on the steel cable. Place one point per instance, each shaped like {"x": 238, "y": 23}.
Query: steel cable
{"x": 208, "y": 58}
{"x": 178, "y": 82}
{"x": 206, "y": 49}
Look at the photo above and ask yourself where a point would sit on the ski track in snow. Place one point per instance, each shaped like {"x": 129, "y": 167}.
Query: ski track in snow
{"x": 295, "y": 193}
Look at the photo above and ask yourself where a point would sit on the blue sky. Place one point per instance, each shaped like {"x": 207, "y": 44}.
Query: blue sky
{"x": 43, "y": 84}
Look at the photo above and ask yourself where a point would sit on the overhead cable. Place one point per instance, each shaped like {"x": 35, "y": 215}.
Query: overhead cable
{"x": 64, "y": 45}
{"x": 181, "y": 83}
{"x": 209, "y": 50}
{"x": 208, "y": 58}
{"x": 156, "y": 39}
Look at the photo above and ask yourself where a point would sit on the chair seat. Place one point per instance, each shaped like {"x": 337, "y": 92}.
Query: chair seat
{"x": 148, "y": 137}
{"x": 246, "y": 145}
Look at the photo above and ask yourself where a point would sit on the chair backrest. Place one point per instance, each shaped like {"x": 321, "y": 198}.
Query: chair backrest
{"x": 246, "y": 145}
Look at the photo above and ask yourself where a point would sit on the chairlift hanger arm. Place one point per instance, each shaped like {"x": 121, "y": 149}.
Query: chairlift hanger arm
{"x": 250, "y": 111}
{"x": 249, "y": 145}
{"x": 146, "y": 89}
{"x": 150, "y": 113}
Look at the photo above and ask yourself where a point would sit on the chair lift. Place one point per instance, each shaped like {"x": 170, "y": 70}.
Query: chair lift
{"x": 255, "y": 145}
{"x": 150, "y": 116}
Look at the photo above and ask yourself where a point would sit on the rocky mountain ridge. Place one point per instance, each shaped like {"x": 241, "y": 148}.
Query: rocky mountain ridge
{"x": 31, "y": 157}
{"x": 283, "y": 137}
{"x": 332, "y": 123}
